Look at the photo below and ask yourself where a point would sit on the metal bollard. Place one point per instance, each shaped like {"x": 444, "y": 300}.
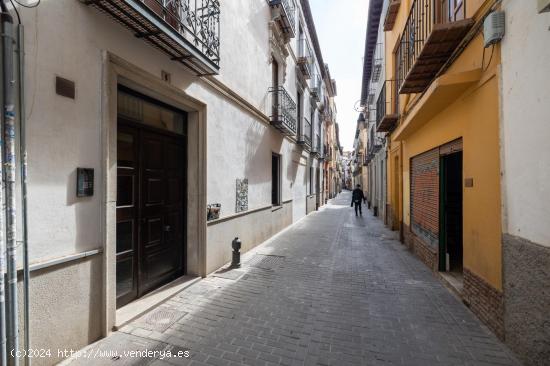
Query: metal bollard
{"x": 236, "y": 261}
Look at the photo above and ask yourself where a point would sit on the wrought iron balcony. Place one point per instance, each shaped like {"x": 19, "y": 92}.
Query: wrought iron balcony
{"x": 187, "y": 30}
{"x": 305, "y": 58}
{"x": 283, "y": 13}
{"x": 386, "y": 107}
{"x": 283, "y": 111}
{"x": 328, "y": 115}
{"x": 305, "y": 135}
{"x": 374, "y": 143}
{"x": 429, "y": 39}
{"x": 327, "y": 152}
{"x": 316, "y": 148}
{"x": 378, "y": 62}
{"x": 316, "y": 87}
{"x": 368, "y": 158}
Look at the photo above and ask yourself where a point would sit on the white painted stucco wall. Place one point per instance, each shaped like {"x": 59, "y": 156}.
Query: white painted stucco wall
{"x": 526, "y": 122}
{"x": 65, "y": 134}
{"x": 69, "y": 39}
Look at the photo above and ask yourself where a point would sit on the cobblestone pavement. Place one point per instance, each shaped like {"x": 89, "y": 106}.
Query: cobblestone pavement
{"x": 331, "y": 290}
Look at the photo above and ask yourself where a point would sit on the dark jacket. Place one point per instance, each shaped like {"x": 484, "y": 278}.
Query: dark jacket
{"x": 357, "y": 196}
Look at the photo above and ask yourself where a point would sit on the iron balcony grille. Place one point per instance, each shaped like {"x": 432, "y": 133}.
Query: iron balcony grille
{"x": 305, "y": 57}
{"x": 305, "y": 137}
{"x": 374, "y": 143}
{"x": 327, "y": 153}
{"x": 286, "y": 16}
{"x": 386, "y": 107}
{"x": 428, "y": 40}
{"x": 328, "y": 115}
{"x": 370, "y": 99}
{"x": 316, "y": 87}
{"x": 187, "y": 30}
{"x": 377, "y": 62}
{"x": 283, "y": 111}
{"x": 316, "y": 148}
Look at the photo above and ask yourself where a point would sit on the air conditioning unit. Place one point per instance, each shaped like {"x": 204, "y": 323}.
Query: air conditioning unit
{"x": 493, "y": 28}
{"x": 544, "y": 6}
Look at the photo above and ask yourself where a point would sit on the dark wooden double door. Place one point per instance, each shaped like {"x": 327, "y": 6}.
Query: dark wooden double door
{"x": 150, "y": 213}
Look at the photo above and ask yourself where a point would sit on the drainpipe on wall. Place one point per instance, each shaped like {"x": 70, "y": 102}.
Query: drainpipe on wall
{"x": 3, "y": 327}
{"x": 3, "y": 353}
{"x": 9, "y": 155}
{"x": 23, "y": 154}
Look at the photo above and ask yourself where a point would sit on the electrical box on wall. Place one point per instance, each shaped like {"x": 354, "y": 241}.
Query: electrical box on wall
{"x": 544, "y": 6}
{"x": 84, "y": 182}
{"x": 493, "y": 28}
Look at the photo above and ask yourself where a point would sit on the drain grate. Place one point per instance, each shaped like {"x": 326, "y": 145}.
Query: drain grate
{"x": 265, "y": 261}
{"x": 160, "y": 319}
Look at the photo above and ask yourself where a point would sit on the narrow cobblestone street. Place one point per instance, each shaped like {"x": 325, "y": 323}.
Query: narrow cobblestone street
{"x": 331, "y": 290}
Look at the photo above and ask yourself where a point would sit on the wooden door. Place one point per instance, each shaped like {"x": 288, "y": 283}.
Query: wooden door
{"x": 150, "y": 210}
{"x": 161, "y": 210}
{"x": 127, "y": 214}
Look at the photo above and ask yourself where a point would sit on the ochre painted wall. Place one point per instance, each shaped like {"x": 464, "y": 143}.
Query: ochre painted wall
{"x": 394, "y": 191}
{"x": 474, "y": 116}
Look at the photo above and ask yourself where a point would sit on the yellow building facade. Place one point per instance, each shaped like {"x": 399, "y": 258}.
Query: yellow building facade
{"x": 443, "y": 153}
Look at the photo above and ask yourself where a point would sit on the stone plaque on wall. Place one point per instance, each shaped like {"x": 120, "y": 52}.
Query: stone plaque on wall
{"x": 242, "y": 195}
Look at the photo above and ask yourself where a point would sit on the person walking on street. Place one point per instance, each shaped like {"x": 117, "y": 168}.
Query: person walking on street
{"x": 357, "y": 198}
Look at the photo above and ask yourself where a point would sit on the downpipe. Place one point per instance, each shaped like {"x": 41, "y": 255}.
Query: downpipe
{"x": 23, "y": 173}
{"x": 3, "y": 325}
{"x": 9, "y": 155}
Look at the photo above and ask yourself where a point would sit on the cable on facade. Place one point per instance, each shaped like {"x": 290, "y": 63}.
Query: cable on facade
{"x": 16, "y": 12}
{"x": 490, "y": 59}
{"x": 28, "y": 6}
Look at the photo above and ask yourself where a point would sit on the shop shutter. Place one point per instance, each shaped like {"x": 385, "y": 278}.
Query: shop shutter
{"x": 425, "y": 197}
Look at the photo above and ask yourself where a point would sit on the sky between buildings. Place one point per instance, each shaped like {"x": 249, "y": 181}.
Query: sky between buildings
{"x": 341, "y": 27}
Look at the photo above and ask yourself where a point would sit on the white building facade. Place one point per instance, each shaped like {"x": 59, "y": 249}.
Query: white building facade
{"x": 196, "y": 123}
{"x": 525, "y": 171}
{"x": 378, "y": 87}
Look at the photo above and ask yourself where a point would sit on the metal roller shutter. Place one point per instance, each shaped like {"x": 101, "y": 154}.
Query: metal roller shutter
{"x": 425, "y": 197}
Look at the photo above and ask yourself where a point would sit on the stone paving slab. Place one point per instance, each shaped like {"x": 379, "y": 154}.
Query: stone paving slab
{"x": 331, "y": 290}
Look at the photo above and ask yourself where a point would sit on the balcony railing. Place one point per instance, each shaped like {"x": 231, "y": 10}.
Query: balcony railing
{"x": 316, "y": 148}
{"x": 327, "y": 153}
{"x": 305, "y": 136}
{"x": 285, "y": 16}
{"x": 378, "y": 62}
{"x": 374, "y": 143}
{"x": 283, "y": 111}
{"x": 316, "y": 87}
{"x": 386, "y": 107}
{"x": 187, "y": 30}
{"x": 429, "y": 39}
{"x": 328, "y": 115}
{"x": 305, "y": 58}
